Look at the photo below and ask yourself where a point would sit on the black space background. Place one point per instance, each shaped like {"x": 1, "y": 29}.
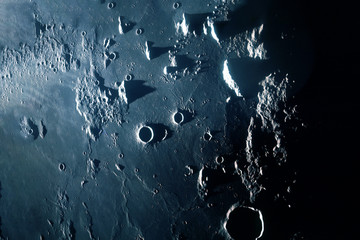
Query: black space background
{"x": 326, "y": 154}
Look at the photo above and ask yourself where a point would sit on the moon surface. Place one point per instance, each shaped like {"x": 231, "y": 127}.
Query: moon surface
{"x": 156, "y": 119}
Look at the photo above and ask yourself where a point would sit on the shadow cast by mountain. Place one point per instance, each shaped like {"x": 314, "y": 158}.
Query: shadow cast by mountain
{"x": 136, "y": 89}
{"x": 188, "y": 116}
{"x": 183, "y": 61}
{"x": 100, "y": 79}
{"x": 156, "y": 52}
{"x": 246, "y": 17}
{"x": 248, "y": 73}
{"x": 39, "y": 28}
{"x": 196, "y": 22}
{"x": 161, "y": 132}
{"x": 126, "y": 24}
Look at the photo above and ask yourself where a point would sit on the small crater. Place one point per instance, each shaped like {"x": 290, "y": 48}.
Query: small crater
{"x": 176, "y": 5}
{"x": 129, "y": 77}
{"x": 219, "y": 160}
{"x": 190, "y": 170}
{"x": 111, "y": 5}
{"x": 207, "y": 136}
{"x": 139, "y": 31}
{"x": 62, "y": 167}
{"x": 112, "y": 56}
{"x": 117, "y": 84}
{"x": 178, "y": 118}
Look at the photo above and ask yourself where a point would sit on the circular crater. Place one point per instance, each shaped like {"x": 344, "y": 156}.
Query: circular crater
{"x": 30, "y": 131}
{"x": 117, "y": 84}
{"x": 111, "y": 5}
{"x": 219, "y": 159}
{"x": 207, "y": 136}
{"x": 178, "y": 118}
{"x": 62, "y": 166}
{"x": 244, "y": 223}
{"x": 112, "y": 56}
{"x": 176, "y": 5}
{"x": 129, "y": 77}
{"x": 139, "y": 31}
{"x": 146, "y": 134}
